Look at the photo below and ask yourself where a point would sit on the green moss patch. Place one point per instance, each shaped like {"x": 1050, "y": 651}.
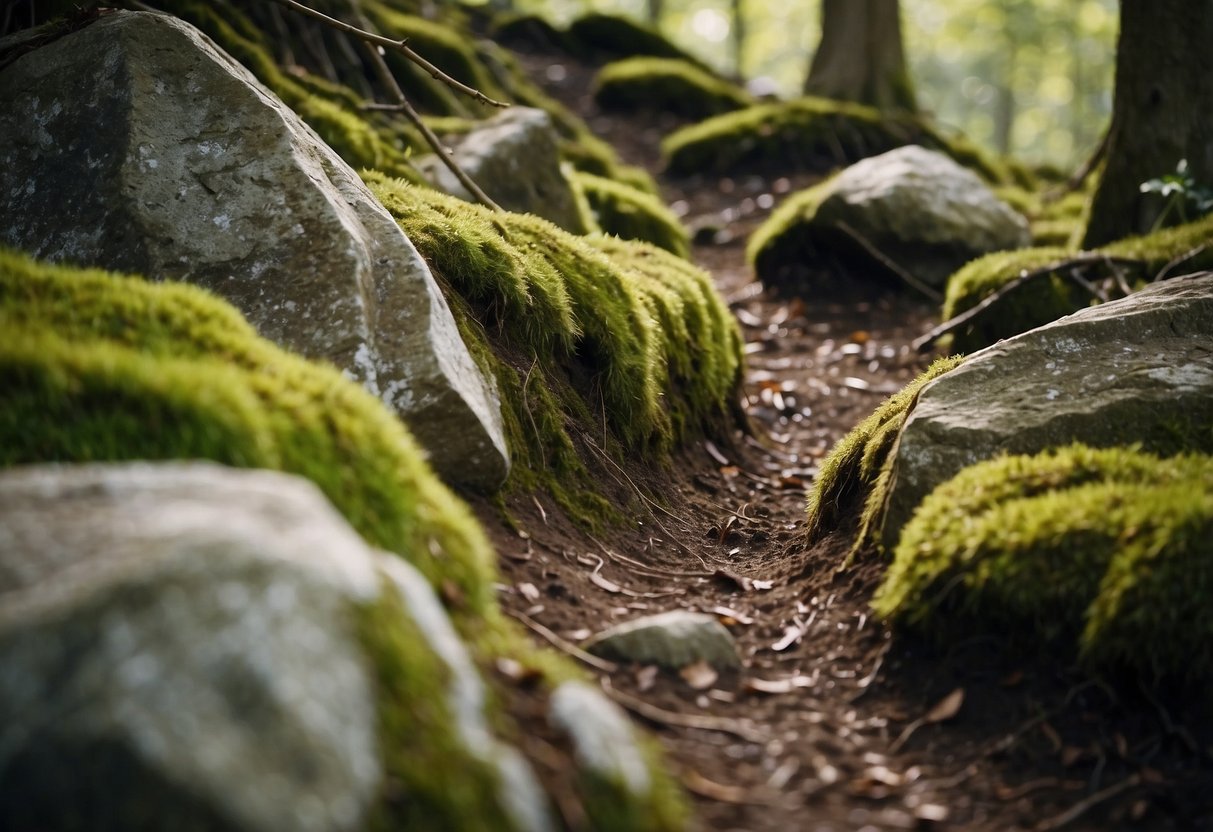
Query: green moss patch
{"x": 667, "y": 85}
{"x": 619, "y": 209}
{"x": 596, "y": 331}
{"x": 1138, "y": 259}
{"x": 809, "y": 134}
{"x": 850, "y": 474}
{"x": 1103, "y": 552}
{"x": 607, "y": 36}
{"x": 97, "y": 367}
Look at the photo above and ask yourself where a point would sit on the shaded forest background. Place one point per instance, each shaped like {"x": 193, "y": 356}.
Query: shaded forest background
{"x": 1029, "y": 77}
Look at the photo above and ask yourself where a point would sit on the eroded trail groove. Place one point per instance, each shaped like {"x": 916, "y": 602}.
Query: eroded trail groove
{"x": 831, "y": 724}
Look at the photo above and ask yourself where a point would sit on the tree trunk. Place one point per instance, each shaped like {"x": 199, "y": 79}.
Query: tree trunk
{"x": 656, "y": 10}
{"x": 739, "y": 36}
{"x": 1162, "y": 112}
{"x": 861, "y": 57}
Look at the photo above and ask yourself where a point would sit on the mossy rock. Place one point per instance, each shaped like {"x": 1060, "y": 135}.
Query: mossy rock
{"x": 809, "y": 134}
{"x": 851, "y": 471}
{"x": 597, "y": 328}
{"x": 101, "y": 367}
{"x": 666, "y": 85}
{"x": 1040, "y": 301}
{"x": 623, "y": 211}
{"x": 531, "y": 30}
{"x": 1102, "y": 553}
{"x": 607, "y": 36}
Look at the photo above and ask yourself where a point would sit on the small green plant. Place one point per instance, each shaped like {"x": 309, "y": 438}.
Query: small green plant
{"x": 1182, "y": 195}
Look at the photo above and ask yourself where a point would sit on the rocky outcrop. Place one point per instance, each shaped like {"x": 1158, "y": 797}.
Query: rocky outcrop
{"x": 918, "y": 207}
{"x": 136, "y": 145}
{"x": 1137, "y": 370}
{"x": 515, "y": 158}
{"x": 183, "y": 646}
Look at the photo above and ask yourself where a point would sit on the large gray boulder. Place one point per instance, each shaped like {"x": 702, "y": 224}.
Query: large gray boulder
{"x": 180, "y": 649}
{"x": 513, "y": 157}
{"x": 1137, "y": 370}
{"x": 135, "y": 144}
{"x": 918, "y": 207}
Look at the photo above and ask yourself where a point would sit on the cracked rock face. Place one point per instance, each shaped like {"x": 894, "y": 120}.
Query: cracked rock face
{"x": 136, "y": 145}
{"x": 1137, "y": 370}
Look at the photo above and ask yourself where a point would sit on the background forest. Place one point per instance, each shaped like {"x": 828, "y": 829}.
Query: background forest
{"x": 1028, "y": 77}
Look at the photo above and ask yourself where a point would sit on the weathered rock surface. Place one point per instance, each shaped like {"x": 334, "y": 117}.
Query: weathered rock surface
{"x": 176, "y": 650}
{"x": 604, "y": 741}
{"x": 923, "y": 210}
{"x": 179, "y": 649}
{"x": 671, "y": 639}
{"x": 1137, "y": 370}
{"x": 515, "y": 158}
{"x": 135, "y": 144}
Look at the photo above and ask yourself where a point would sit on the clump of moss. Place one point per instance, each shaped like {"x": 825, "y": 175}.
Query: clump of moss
{"x": 667, "y": 85}
{"x": 1105, "y": 552}
{"x": 624, "y": 211}
{"x": 1040, "y": 301}
{"x": 100, "y": 367}
{"x": 809, "y": 134}
{"x": 582, "y": 319}
{"x": 850, "y": 473}
{"x": 612, "y": 37}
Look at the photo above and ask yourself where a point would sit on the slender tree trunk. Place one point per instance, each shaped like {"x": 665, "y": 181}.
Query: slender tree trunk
{"x": 861, "y": 57}
{"x": 656, "y": 12}
{"x": 1162, "y": 112}
{"x": 739, "y": 35}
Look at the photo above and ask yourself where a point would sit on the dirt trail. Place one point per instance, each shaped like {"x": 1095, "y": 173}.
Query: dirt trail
{"x": 831, "y": 725}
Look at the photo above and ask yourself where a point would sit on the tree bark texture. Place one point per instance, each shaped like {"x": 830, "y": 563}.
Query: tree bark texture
{"x": 1162, "y": 111}
{"x": 861, "y": 56}
{"x": 656, "y": 10}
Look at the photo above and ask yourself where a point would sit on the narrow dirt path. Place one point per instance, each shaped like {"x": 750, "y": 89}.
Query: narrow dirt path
{"x": 830, "y": 725}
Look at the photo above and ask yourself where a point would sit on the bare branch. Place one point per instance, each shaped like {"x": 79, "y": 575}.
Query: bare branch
{"x": 889, "y": 264}
{"x": 398, "y": 45}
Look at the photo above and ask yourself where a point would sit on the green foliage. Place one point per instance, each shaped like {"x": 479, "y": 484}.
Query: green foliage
{"x": 582, "y": 319}
{"x": 1105, "y": 551}
{"x": 1184, "y": 199}
{"x": 666, "y": 85}
{"x": 1046, "y": 299}
{"x": 810, "y": 134}
{"x": 626, "y": 212}
{"x": 851, "y": 471}
{"x": 97, "y": 367}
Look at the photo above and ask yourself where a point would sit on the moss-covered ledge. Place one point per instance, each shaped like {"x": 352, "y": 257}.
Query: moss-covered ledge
{"x": 621, "y": 210}
{"x": 1135, "y": 260}
{"x": 666, "y": 85}
{"x": 577, "y": 331}
{"x": 1102, "y": 554}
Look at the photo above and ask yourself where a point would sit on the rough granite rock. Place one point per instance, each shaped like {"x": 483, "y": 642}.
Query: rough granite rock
{"x": 515, "y": 158}
{"x": 135, "y": 144}
{"x": 1137, "y": 370}
{"x": 604, "y": 741}
{"x": 670, "y": 639}
{"x": 923, "y": 210}
{"x": 178, "y": 649}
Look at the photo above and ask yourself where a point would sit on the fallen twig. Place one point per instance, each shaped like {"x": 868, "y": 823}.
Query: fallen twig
{"x": 889, "y": 264}
{"x": 679, "y": 720}
{"x": 1183, "y": 258}
{"x": 399, "y": 45}
{"x": 567, "y": 646}
{"x": 1083, "y": 806}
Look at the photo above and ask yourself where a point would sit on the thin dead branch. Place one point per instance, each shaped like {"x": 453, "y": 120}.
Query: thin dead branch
{"x": 398, "y": 45}
{"x": 888, "y": 263}
{"x": 563, "y": 645}
{"x": 699, "y": 722}
{"x": 1083, "y": 173}
{"x": 1180, "y": 260}
{"x": 1083, "y": 806}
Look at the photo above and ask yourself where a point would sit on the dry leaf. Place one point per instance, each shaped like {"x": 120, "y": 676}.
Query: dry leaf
{"x": 700, "y": 675}
{"x": 730, "y": 614}
{"x": 603, "y": 583}
{"x": 729, "y": 576}
{"x": 529, "y": 591}
{"x": 646, "y": 677}
{"x": 715, "y": 453}
{"x": 931, "y": 813}
{"x": 762, "y": 585}
{"x": 777, "y": 686}
{"x": 946, "y": 708}
{"x": 1071, "y": 754}
{"x": 791, "y": 634}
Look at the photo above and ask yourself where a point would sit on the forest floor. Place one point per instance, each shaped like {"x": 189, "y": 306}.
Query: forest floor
{"x": 832, "y": 724}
